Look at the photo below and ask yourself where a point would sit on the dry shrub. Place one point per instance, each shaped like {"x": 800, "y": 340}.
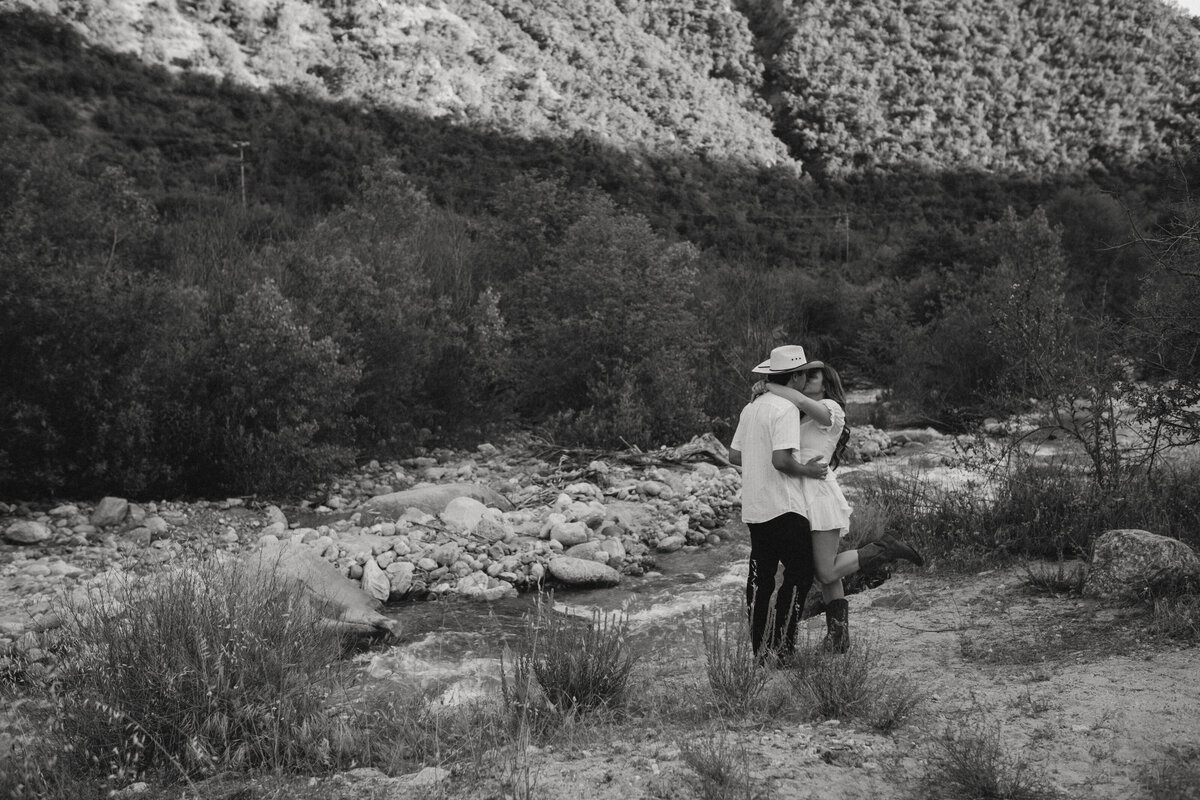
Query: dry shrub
{"x": 568, "y": 665}
{"x": 851, "y": 686}
{"x": 970, "y": 761}
{"x": 735, "y": 675}
{"x": 202, "y": 670}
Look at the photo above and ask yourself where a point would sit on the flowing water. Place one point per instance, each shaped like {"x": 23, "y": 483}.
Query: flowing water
{"x": 452, "y": 647}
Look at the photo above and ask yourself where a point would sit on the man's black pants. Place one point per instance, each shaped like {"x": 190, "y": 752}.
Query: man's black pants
{"x": 787, "y": 539}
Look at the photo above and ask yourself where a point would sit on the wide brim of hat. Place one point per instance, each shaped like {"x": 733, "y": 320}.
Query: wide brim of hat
{"x": 765, "y": 368}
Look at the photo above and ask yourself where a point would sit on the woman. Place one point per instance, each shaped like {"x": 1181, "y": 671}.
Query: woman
{"x": 823, "y": 433}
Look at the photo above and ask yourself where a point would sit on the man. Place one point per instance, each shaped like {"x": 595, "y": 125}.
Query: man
{"x": 773, "y": 505}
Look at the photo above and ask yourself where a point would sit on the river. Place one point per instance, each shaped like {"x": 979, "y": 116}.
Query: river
{"x": 452, "y": 647}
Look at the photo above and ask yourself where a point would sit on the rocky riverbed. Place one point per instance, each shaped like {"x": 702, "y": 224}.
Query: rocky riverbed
{"x": 487, "y": 523}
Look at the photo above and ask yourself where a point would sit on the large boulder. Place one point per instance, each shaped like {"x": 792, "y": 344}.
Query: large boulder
{"x": 463, "y": 513}
{"x": 346, "y": 607}
{"x": 582, "y": 572}
{"x": 433, "y": 499}
{"x": 110, "y": 511}
{"x": 27, "y": 531}
{"x": 1127, "y": 562}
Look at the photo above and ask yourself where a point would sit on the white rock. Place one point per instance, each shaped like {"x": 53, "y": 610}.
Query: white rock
{"x": 593, "y": 550}
{"x": 430, "y": 776}
{"x": 1125, "y": 563}
{"x": 463, "y": 513}
{"x": 614, "y": 548}
{"x": 27, "y": 532}
{"x": 156, "y": 525}
{"x": 569, "y": 533}
{"x": 275, "y": 516}
{"x": 584, "y": 490}
{"x": 671, "y": 543}
{"x": 400, "y": 576}
{"x": 110, "y": 511}
{"x": 583, "y": 572}
{"x": 375, "y": 581}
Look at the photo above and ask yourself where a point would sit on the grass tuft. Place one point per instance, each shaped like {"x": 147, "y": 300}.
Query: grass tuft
{"x": 1059, "y": 582}
{"x": 722, "y": 772}
{"x": 1174, "y": 776}
{"x": 971, "y": 762}
{"x": 568, "y": 666}
{"x": 852, "y": 686}
{"x": 200, "y": 671}
{"x": 735, "y": 675}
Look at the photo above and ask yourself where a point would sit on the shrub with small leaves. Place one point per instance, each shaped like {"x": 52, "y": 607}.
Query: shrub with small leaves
{"x": 570, "y": 665}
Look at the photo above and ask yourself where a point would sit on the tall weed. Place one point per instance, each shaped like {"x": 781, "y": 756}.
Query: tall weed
{"x": 569, "y": 666}
{"x": 199, "y": 671}
{"x": 735, "y": 675}
{"x": 851, "y": 686}
{"x": 971, "y": 761}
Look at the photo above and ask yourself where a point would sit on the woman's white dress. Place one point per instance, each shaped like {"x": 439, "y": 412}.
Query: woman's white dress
{"x": 827, "y": 506}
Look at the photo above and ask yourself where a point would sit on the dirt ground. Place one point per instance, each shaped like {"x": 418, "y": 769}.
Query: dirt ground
{"x": 1076, "y": 691}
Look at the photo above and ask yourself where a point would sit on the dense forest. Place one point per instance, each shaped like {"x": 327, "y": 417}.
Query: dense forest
{"x": 244, "y": 243}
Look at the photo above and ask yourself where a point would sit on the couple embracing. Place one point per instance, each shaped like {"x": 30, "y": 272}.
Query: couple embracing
{"x": 788, "y": 442}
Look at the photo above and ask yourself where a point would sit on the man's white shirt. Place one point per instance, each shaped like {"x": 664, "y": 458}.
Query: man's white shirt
{"x": 767, "y": 424}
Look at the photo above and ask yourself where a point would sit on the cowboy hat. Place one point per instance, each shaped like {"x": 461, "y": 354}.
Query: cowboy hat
{"x": 788, "y": 358}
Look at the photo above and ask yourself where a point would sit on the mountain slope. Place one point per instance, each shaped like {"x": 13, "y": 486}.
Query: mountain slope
{"x": 633, "y": 75}
{"x": 1036, "y": 87}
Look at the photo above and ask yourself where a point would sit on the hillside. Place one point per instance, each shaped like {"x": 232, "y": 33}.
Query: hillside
{"x": 1006, "y": 87}
{"x": 684, "y": 80}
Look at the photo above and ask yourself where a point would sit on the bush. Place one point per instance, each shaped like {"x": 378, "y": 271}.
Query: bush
{"x": 277, "y": 398}
{"x": 1043, "y": 511}
{"x": 721, "y": 769}
{"x": 199, "y": 671}
{"x": 568, "y": 666}
{"x": 734, "y": 673}
{"x": 965, "y": 351}
{"x": 971, "y": 761}
{"x": 399, "y": 285}
{"x": 603, "y": 334}
{"x": 851, "y": 686}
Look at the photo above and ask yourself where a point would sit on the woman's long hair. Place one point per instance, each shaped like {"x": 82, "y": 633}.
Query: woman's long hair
{"x": 834, "y": 390}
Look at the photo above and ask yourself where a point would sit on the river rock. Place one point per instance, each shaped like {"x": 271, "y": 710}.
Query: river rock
{"x": 156, "y": 525}
{"x": 375, "y": 581}
{"x": 110, "y": 511}
{"x": 142, "y": 536}
{"x": 275, "y": 516}
{"x": 444, "y": 555}
{"x": 27, "y": 531}
{"x": 347, "y": 607}
{"x": 614, "y": 548}
{"x": 1125, "y": 563}
{"x": 672, "y": 543}
{"x": 569, "y": 534}
{"x": 400, "y": 577}
{"x": 582, "y": 572}
{"x": 593, "y": 551}
{"x": 915, "y": 435}
{"x": 655, "y": 489}
{"x": 433, "y": 499}
{"x": 463, "y": 513}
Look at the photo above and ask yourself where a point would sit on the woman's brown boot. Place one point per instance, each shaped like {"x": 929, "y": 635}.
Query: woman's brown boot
{"x": 837, "y": 626}
{"x": 888, "y": 548}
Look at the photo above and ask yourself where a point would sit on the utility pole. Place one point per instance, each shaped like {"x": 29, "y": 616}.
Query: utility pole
{"x": 846, "y": 219}
{"x": 242, "y": 166}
